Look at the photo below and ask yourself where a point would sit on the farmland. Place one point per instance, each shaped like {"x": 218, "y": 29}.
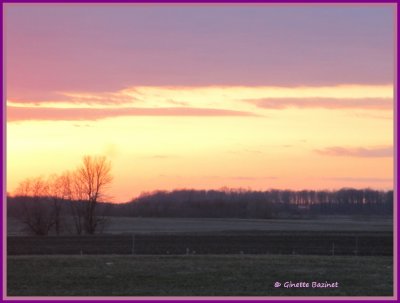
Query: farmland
{"x": 318, "y": 236}
{"x": 305, "y": 243}
{"x": 129, "y": 225}
{"x": 206, "y": 257}
{"x": 232, "y": 275}
{"x": 118, "y": 225}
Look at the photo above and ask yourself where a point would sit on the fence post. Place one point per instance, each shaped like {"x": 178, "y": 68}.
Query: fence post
{"x": 133, "y": 244}
{"x": 356, "y": 249}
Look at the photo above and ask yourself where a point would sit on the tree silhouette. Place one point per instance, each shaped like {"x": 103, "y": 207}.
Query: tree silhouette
{"x": 83, "y": 188}
{"x": 57, "y": 193}
{"x": 36, "y": 214}
{"x": 92, "y": 179}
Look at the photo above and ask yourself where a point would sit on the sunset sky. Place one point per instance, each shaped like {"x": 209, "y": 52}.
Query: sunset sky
{"x": 202, "y": 96}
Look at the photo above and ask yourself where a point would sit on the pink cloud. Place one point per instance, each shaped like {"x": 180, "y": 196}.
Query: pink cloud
{"x": 76, "y": 114}
{"x": 327, "y": 103}
{"x": 105, "y": 98}
{"x": 371, "y": 152}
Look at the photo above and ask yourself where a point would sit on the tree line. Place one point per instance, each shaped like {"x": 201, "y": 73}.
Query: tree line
{"x": 242, "y": 203}
{"x": 75, "y": 202}
{"x": 40, "y": 203}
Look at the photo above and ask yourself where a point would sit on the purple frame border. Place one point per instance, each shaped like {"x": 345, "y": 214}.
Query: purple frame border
{"x": 3, "y": 297}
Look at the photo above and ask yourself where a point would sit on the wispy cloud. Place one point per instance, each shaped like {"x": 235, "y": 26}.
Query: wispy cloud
{"x": 222, "y": 178}
{"x": 359, "y": 180}
{"x": 159, "y": 157}
{"x": 326, "y": 103}
{"x": 382, "y": 115}
{"x": 99, "y": 98}
{"x": 198, "y": 101}
{"x": 370, "y": 152}
{"x": 76, "y": 114}
{"x": 63, "y": 99}
{"x": 247, "y": 178}
{"x": 241, "y": 178}
{"x": 253, "y": 151}
{"x": 147, "y": 96}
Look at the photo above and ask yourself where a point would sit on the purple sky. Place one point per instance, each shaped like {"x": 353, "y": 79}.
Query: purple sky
{"x": 51, "y": 48}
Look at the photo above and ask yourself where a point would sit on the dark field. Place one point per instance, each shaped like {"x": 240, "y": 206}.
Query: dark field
{"x": 129, "y": 225}
{"x": 247, "y": 275}
{"x": 206, "y": 257}
{"x": 314, "y": 243}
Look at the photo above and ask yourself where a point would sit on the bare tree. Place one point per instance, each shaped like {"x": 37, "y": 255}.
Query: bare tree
{"x": 77, "y": 200}
{"x": 37, "y": 213}
{"x": 57, "y": 195}
{"x": 62, "y": 190}
{"x": 92, "y": 179}
{"x": 83, "y": 188}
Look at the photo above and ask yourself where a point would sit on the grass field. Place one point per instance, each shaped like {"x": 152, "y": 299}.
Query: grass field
{"x": 208, "y": 274}
{"x": 190, "y": 225}
{"x": 121, "y": 225}
{"x": 272, "y": 242}
{"x": 196, "y": 275}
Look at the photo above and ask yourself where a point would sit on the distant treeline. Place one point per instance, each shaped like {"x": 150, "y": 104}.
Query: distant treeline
{"x": 233, "y": 203}
{"x": 238, "y": 203}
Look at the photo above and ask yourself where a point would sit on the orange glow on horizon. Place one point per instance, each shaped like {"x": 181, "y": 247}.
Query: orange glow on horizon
{"x": 278, "y": 149}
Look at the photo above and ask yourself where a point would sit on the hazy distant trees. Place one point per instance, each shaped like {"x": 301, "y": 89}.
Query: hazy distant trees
{"x": 43, "y": 201}
{"x": 76, "y": 198}
{"x": 57, "y": 194}
{"x": 35, "y": 213}
{"x": 239, "y": 203}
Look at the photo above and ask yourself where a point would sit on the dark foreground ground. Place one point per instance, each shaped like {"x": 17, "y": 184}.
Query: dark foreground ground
{"x": 129, "y": 225}
{"x": 222, "y": 275}
{"x": 257, "y": 242}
